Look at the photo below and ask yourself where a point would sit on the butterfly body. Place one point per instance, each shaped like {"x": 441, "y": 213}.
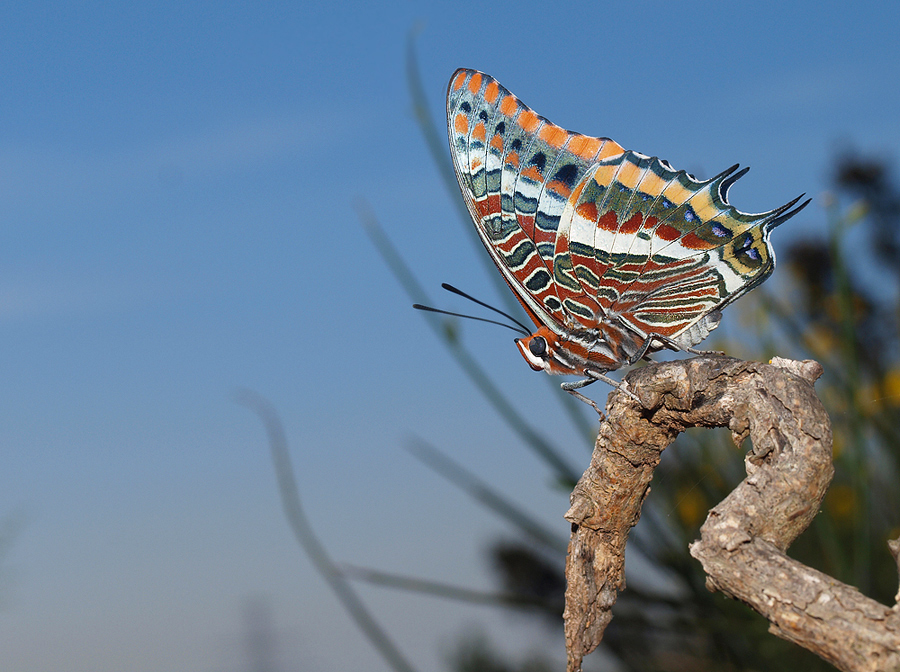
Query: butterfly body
{"x": 612, "y": 253}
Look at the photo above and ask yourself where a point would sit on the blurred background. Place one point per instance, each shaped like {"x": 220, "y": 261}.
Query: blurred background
{"x": 183, "y": 192}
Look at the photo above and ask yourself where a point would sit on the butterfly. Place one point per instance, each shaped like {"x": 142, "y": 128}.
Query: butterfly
{"x": 613, "y": 254}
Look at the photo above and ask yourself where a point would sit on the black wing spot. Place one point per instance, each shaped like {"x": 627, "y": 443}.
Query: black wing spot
{"x": 483, "y": 115}
{"x": 501, "y": 128}
{"x": 465, "y": 107}
{"x": 567, "y": 175}
{"x": 516, "y": 144}
{"x": 538, "y": 281}
{"x": 539, "y": 160}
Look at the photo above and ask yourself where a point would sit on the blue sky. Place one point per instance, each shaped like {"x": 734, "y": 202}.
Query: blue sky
{"x": 177, "y": 188}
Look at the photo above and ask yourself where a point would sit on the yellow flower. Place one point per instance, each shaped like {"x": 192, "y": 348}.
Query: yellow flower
{"x": 841, "y": 502}
{"x": 819, "y": 340}
{"x": 691, "y": 506}
{"x": 857, "y": 211}
{"x": 837, "y": 445}
{"x": 891, "y": 388}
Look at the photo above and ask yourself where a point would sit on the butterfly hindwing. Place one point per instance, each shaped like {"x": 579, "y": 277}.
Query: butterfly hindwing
{"x": 667, "y": 248}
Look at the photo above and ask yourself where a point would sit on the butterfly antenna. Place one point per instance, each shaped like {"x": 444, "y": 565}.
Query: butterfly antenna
{"x": 455, "y": 290}
{"x": 419, "y": 306}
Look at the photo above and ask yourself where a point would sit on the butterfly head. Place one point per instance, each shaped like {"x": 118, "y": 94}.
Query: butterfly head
{"x": 543, "y": 352}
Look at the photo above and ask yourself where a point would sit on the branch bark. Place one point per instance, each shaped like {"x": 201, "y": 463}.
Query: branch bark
{"x": 743, "y": 541}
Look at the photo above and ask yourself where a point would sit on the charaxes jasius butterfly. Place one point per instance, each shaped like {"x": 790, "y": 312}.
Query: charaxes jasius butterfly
{"x": 613, "y": 254}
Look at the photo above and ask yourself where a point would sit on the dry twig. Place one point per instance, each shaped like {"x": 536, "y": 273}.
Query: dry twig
{"x": 743, "y": 541}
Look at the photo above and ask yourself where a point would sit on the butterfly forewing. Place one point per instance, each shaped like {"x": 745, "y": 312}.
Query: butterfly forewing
{"x": 539, "y": 165}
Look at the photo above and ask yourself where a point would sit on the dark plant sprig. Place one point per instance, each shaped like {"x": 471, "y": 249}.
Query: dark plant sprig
{"x": 309, "y": 542}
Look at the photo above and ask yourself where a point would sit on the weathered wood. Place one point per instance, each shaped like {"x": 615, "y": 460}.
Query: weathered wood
{"x": 743, "y": 540}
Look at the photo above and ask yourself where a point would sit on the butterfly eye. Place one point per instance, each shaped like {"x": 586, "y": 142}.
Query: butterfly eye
{"x": 538, "y": 346}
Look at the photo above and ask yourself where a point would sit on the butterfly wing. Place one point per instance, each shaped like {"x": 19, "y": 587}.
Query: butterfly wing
{"x": 662, "y": 251}
{"x": 587, "y": 234}
{"x": 516, "y": 171}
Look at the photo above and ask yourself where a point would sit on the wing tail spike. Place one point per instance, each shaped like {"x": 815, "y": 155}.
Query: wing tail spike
{"x": 725, "y": 173}
{"x": 780, "y": 210}
{"x": 730, "y": 180}
{"x": 784, "y": 213}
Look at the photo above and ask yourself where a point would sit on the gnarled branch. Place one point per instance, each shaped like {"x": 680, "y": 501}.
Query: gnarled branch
{"x": 743, "y": 541}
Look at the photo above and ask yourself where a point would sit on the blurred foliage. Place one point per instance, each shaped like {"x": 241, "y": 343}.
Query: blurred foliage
{"x": 837, "y": 303}
{"x": 476, "y": 654}
{"x": 523, "y": 570}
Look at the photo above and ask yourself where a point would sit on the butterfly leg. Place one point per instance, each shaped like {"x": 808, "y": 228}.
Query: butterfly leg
{"x": 573, "y": 387}
{"x": 621, "y": 386}
{"x": 719, "y": 353}
{"x": 593, "y": 376}
{"x": 669, "y": 343}
{"x": 642, "y": 351}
